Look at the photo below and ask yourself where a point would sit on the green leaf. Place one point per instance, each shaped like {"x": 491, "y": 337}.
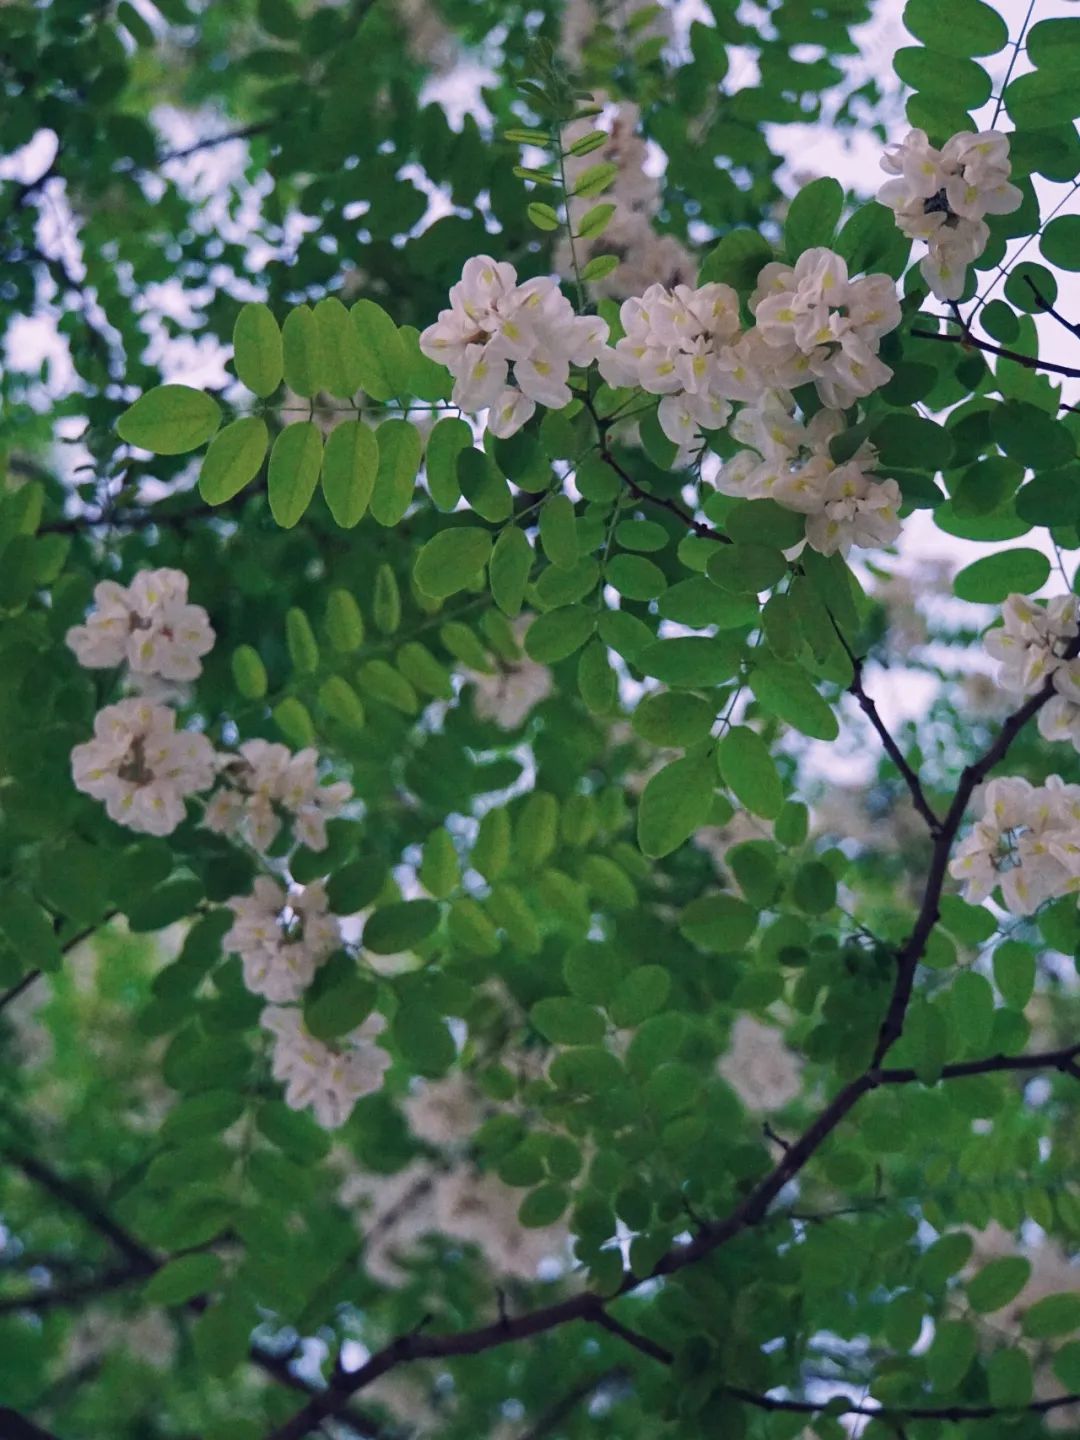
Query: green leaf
{"x": 598, "y": 684}
{"x": 748, "y": 771}
{"x": 786, "y": 692}
{"x": 738, "y": 259}
{"x": 812, "y": 216}
{"x": 1032, "y": 437}
{"x": 344, "y": 621}
{"x": 641, "y": 994}
{"x": 718, "y": 922}
{"x": 1056, "y": 1315}
{"x": 1043, "y": 98}
{"x": 340, "y": 1008}
{"x": 566, "y": 1021}
{"x": 382, "y": 362}
{"x": 675, "y": 803}
{"x": 182, "y": 1279}
{"x": 1009, "y": 1377}
{"x": 689, "y": 660}
{"x": 997, "y": 1283}
{"x": 542, "y": 216}
{"x": 869, "y": 240}
{"x": 595, "y": 221}
{"x": 814, "y": 888}
{"x": 29, "y": 932}
{"x": 963, "y": 81}
{"x": 595, "y": 179}
{"x": 1014, "y": 973}
{"x": 452, "y": 560}
{"x": 257, "y": 349}
{"x": 339, "y": 349}
{"x": 542, "y": 1206}
{"x": 295, "y": 462}
{"x": 635, "y": 578}
{"x": 400, "y": 452}
{"x": 675, "y": 719}
{"x": 350, "y": 465}
{"x": 991, "y": 580}
{"x": 949, "y": 1358}
{"x": 170, "y": 420}
{"x": 484, "y": 486}
{"x": 400, "y": 926}
{"x": 303, "y": 354}
{"x": 301, "y": 643}
{"x": 508, "y": 569}
{"x": 439, "y": 871}
{"x": 1060, "y": 240}
{"x": 233, "y": 459}
{"x": 558, "y": 531}
{"x": 449, "y": 437}
{"x": 599, "y": 267}
{"x": 552, "y": 637}
{"x": 965, "y": 27}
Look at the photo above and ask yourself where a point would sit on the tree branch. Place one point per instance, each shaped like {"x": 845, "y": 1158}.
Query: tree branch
{"x": 1030, "y": 362}
{"x": 14, "y": 1426}
{"x": 632, "y": 1337}
{"x": 558, "y": 1412}
{"x": 60, "y": 1295}
{"x": 955, "y": 1413}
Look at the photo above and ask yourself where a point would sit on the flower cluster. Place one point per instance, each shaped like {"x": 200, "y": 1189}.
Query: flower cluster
{"x": 645, "y": 257}
{"x": 941, "y": 196}
{"x": 1028, "y": 842}
{"x": 264, "y": 780}
{"x": 281, "y": 939}
{"x": 147, "y": 625}
{"x": 141, "y": 766}
{"x": 1033, "y": 644}
{"x": 328, "y": 1078}
{"x": 682, "y": 344}
{"x": 791, "y": 463}
{"x": 509, "y": 347}
{"x": 814, "y": 324}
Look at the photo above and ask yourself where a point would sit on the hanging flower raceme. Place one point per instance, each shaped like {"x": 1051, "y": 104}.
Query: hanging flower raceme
{"x": 263, "y": 782}
{"x": 141, "y": 766}
{"x": 1027, "y": 841}
{"x": 814, "y": 324}
{"x": 328, "y": 1078}
{"x": 682, "y": 344}
{"x": 790, "y": 462}
{"x": 281, "y": 939}
{"x": 147, "y": 625}
{"x": 1033, "y": 644}
{"x": 510, "y": 347}
{"x": 941, "y": 196}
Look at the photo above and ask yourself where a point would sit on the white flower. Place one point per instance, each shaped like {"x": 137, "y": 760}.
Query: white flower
{"x": 281, "y": 939}
{"x": 1027, "y": 841}
{"x": 1031, "y": 644}
{"x": 682, "y": 344}
{"x": 941, "y": 196}
{"x": 265, "y": 779}
{"x": 509, "y": 347}
{"x": 141, "y": 766}
{"x": 328, "y": 1078}
{"x": 148, "y": 625}
{"x": 813, "y": 323}
{"x": 791, "y": 463}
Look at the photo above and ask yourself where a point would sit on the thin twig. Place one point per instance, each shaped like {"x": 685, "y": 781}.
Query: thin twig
{"x": 1030, "y": 362}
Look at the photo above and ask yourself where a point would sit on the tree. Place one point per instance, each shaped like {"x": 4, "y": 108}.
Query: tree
{"x": 531, "y": 906}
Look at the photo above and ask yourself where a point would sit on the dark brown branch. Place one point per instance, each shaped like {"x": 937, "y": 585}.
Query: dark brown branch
{"x": 892, "y": 749}
{"x": 14, "y": 991}
{"x": 245, "y": 132}
{"x": 639, "y": 1342}
{"x": 28, "y": 979}
{"x": 57, "y": 1296}
{"x": 972, "y": 775}
{"x": 1063, "y": 1060}
{"x": 14, "y": 1426}
{"x": 1030, "y": 362}
{"x": 954, "y": 1413}
{"x": 1048, "y": 309}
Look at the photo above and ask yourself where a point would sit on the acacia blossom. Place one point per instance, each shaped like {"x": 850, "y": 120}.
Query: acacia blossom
{"x": 941, "y": 196}
{"x": 814, "y": 324}
{"x": 141, "y": 766}
{"x": 148, "y": 625}
{"x": 790, "y": 462}
{"x": 328, "y": 1078}
{"x": 681, "y": 344}
{"x": 1033, "y": 644}
{"x": 281, "y": 939}
{"x": 510, "y": 347}
{"x": 1027, "y": 841}
{"x": 265, "y": 779}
